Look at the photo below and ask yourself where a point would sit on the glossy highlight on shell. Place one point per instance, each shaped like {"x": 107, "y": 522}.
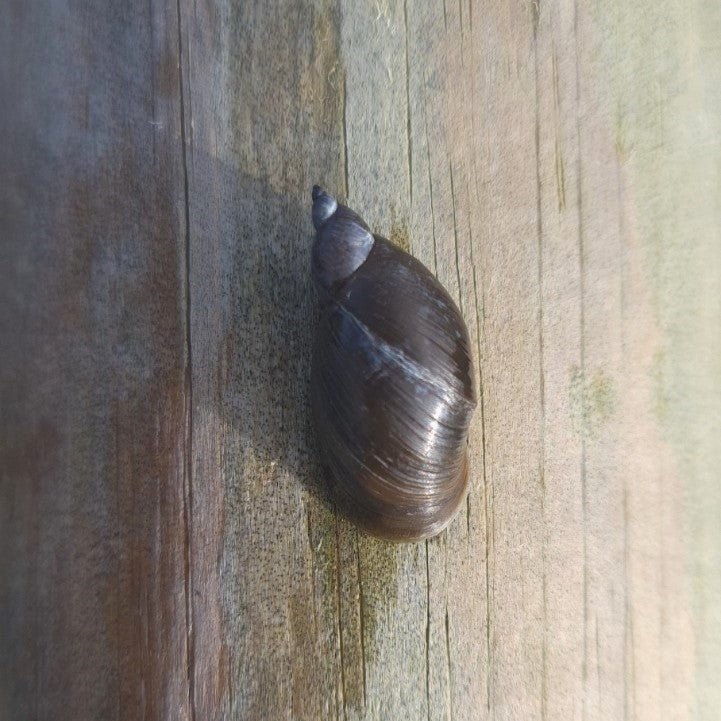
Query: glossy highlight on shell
{"x": 391, "y": 383}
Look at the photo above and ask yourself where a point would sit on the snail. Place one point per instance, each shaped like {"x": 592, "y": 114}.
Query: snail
{"x": 392, "y": 388}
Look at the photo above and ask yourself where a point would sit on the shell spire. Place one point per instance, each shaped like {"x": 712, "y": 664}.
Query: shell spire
{"x": 342, "y": 242}
{"x": 324, "y": 205}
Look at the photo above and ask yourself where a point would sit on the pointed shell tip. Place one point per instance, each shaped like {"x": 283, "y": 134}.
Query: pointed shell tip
{"x": 324, "y": 205}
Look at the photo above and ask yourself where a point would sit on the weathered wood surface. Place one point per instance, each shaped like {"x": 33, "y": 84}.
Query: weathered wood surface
{"x": 166, "y": 547}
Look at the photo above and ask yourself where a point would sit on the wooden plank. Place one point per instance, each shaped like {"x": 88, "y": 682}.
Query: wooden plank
{"x": 556, "y": 165}
{"x": 92, "y": 378}
{"x": 471, "y": 134}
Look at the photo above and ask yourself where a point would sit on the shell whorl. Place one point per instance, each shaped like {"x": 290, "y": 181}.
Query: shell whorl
{"x": 342, "y": 243}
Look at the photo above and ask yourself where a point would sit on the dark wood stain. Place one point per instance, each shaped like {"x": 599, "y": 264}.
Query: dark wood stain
{"x": 92, "y": 375}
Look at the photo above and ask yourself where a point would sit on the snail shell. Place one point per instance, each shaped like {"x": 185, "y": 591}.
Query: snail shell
{"x": 392, "y": 380}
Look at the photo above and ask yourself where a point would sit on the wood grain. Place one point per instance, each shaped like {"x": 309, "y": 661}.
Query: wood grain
{"x": 167, "y": 544}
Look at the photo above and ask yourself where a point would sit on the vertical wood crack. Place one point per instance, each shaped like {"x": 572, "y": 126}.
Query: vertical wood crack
{"x": 409, "y": 137}
{"x": 361, "y": 614}
{"x": 188, "y": 394}
{"x": 430, "y": 181}
{"x": 581, "y": 269}
{"x": 449, "y": 696}
{"x": 345, "y": 136}
{"x": 338, "y": 612}
{"x": 428, "y": 636}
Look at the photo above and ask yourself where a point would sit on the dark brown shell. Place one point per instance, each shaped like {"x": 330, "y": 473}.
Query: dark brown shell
{"x": 392, "y": 385}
